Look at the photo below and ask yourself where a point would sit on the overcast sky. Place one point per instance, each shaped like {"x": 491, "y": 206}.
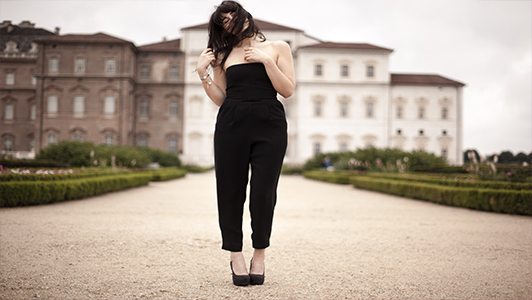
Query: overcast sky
{"x": 485, "y": 44}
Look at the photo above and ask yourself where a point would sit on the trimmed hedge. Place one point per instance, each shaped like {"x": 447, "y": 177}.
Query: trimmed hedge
{"x": 168, "y": 174}
{"x": 16, "y": 193}
{"x": 33, "y": 164}
{"x": 461, "y": 182}
{"x": 503, "y": 201}
{"x": 332, "y": 177}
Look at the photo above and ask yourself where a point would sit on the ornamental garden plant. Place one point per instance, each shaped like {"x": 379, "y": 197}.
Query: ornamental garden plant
{"x": 91, "y": 170}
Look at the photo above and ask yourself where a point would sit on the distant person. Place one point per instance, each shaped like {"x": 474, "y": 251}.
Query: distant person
{"x": 327, "y": 165}
{"x": 251, "y": 130}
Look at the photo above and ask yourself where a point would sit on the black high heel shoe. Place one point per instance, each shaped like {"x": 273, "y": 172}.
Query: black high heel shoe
{"x": 255, "y": 279}
{"x": 240, "y": 280}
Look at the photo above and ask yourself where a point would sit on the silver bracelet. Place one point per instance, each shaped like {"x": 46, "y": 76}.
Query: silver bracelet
{"x": 204, "y": 77}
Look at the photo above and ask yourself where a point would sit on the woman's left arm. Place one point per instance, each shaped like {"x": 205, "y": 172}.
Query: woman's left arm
{"x": 281, "y": 72}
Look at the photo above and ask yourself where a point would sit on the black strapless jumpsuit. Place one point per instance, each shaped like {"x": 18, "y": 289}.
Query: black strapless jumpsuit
{"x": 251, "y": 130}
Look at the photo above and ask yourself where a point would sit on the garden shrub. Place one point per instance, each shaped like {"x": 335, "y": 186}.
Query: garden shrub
{"x": 167, "y": 174}
{"x": 163, "y": 158}
{"x": 455, "y": 180}
{"x": 22, "y": 193}
{"x": 79, "y": 154}
{"x": 504, "y": 201}
{"x": 195, "y": 169}
{"x": 376, "y": 159}
{"x": 332, "y": 177}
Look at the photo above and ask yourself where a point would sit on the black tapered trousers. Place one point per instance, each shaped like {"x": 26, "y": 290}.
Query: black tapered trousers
{"x": 249, "y": 134}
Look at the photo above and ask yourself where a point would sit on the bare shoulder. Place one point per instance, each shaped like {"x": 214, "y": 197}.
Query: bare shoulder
{"x": 280, "y": 45}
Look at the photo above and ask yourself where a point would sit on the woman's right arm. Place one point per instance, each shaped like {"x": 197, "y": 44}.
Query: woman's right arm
{"x": 214, "y": 87}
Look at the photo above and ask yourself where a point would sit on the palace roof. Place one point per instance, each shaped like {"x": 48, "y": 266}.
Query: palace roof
{"x": 99, "y": 37}
{"x": 422, "y": 79}
{"x": 164, "y": 46}
{"x": 363, "y": 46}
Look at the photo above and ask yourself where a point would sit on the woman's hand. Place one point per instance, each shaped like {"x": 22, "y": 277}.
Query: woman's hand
{"x": 205, "y": 59}
{"x": 252, "y": 54}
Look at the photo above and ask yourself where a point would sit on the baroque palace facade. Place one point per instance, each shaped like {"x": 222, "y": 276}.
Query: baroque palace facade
{"x": 104, "y": 89}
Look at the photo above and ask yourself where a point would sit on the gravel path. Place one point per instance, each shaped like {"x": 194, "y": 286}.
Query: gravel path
{"x": 329, "y": 242}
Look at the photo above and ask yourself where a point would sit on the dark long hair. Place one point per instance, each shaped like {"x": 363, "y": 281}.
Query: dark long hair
{"x": 222, "y": 41}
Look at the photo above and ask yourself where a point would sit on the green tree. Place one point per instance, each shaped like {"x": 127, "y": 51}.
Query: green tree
{"x": 521, "y": 157}
{"x": 467, "y": 160}
{"x": 506, "y": 157}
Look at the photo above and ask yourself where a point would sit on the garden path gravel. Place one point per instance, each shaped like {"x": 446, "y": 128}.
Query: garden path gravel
{"x": 329, "y": 242}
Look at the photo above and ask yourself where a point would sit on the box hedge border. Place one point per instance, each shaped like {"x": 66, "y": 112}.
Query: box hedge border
{"x": 23, "y": 193}
{"x": 451, "y": 182}
{"x": 168, "y": 174}
{"x": 485, "y": 199}
{"x": 502, "y": 201}
{"x": 343, "y": 178}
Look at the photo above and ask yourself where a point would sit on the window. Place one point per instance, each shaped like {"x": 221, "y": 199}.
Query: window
{"x": 317, "y": 148}
{"x": 9, "y": 111}
{"x": 10, "y": 78}
{"x": 108, "y": 140}
{"x": 143, "y": 141}
{"x": 110, "y": 65}
{"x": 109, "y": 105}
{"x": 421, "y": 113}
{"x": 144, "y": 108}
{"x": 399, "y": 131}
{"x": 79, "y": 105}
{"x": 444, "y": 113}
{"x": 53, "y": 64}
{"x": 52, "y": 104}
{"x": 173, "y": 109}
{"x": 33, "y": 111}
{"x": 399, "y": 112}
{"x": 444, "y": 153}
{"x": 8, "y": 144}
{"x": 343, "y": 147}
{"x": 32, "y": 144}
{"x": 444, "y": 132}
{"x": 51, "y": 139}
{"x": 78, "y": 137}
{"x": 369, "y": 109}
{"x": 318, "y": 69}
{"x": 344, "y": 71}
{"x": 80, "y": 65}
{"x": 421, "y": 132}
{"x": 343, "y": 108}
{"x": 174, "y": 72}
{"x": 33, "y": 80}
{"x": 370, "y": 71}
{"x": 145, "y": 72}
{"x": 172, "y": 145}
{"x": 11, "y": 46}
{"x": 317, "y": 108}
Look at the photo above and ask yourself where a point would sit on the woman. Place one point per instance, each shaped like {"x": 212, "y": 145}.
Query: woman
{"x": 247, "y": 74}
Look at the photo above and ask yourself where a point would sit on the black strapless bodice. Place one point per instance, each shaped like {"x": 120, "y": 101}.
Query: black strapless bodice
{"x": 249, "y": 81}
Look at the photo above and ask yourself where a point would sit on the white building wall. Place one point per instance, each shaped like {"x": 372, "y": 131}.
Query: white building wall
{"x": 439, "y": 133}
{"x": 332, "y": 130}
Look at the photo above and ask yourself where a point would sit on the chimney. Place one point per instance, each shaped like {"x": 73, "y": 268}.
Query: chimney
{"x": 5, "y": 24}
{"x": 26, "y": 24}
{"x": 164, "y": 39}
{"x": 57, "y": 30}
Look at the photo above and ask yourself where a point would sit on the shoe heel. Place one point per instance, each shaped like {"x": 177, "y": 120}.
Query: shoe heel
{"x": 255, "y": 279}
{"x": 239, "y": 280}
